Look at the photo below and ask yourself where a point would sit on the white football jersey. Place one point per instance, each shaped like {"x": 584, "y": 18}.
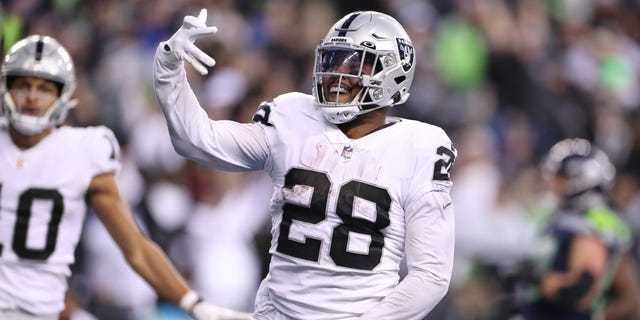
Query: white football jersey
{"x": 345, "y": 212}
{"x": 340, "y": 206}
{"x": 42, "y": 210}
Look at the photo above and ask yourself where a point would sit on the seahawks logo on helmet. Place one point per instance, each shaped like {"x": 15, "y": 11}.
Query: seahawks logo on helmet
{"x": 405, "y": 49}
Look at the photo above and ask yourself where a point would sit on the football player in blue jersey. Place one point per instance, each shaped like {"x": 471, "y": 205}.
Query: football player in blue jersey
{"x": 589, "y": 238}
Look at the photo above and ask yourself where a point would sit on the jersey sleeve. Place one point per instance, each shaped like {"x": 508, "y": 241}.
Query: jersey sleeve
{"x": 103, "y": 150}
{"x": 430, "y": 238}
{"x": 222, "y": 144}
{"x": 609, "y": 226}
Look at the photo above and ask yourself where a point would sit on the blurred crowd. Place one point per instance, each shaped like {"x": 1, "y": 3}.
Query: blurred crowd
{"x": 505, "y": 78}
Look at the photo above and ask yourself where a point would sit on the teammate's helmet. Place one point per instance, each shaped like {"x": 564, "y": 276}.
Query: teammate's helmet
{"x": 43, "y": 57}
{"x": 365, "y": 37}
{"x": 585, "y": 166}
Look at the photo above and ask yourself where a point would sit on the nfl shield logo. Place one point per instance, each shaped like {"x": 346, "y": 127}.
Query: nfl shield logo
{"x": 347, "y": 152}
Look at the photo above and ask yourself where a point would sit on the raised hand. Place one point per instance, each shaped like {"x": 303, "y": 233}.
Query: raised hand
{"x": 181, "y": 45}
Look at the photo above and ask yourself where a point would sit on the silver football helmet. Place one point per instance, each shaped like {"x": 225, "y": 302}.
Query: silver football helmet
{"x": 43, "y": 57}
{"x": 586, "y": 167}
{"x": 379, "y": 55}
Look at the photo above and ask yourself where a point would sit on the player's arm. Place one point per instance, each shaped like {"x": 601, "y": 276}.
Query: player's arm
{"x": 224, "y": 145}
{"x": 429, "y": 248}
{"x": 429, "y": 241}
{"x": 625, "y": 291}
{"x": 144, "y": 256}
{"x": 577, "y": 287}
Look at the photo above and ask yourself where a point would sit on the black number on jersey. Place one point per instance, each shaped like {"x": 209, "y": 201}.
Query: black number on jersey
{"x": 25, "y": 201}
{"x": 113, "y": 143}
{"x": 442, "y": 167}
{"x": 262, "y": 114}
{"x": 316, "y": 211}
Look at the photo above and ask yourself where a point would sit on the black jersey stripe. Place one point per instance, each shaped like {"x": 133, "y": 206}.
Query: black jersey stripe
{"x": 346, "y": 24}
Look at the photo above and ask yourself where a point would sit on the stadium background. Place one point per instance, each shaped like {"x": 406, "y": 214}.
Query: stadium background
{"x": 505, "y": 78}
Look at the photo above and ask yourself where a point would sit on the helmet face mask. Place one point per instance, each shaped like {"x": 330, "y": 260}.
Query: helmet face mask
{"x": 40, "y": 57}
{"x": 341, "y": 73}
{"x": 365, "y": 62}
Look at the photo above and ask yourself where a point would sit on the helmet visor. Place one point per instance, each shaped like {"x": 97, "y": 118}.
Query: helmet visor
{"x": 344, "y": 61}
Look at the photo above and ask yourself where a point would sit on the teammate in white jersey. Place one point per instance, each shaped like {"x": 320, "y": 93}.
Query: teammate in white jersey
{"x": 48, "y": 175}
{"x": 355, "y": 191}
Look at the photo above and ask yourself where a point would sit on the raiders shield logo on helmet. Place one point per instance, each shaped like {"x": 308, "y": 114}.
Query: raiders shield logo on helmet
{"x": 405, "y": 49}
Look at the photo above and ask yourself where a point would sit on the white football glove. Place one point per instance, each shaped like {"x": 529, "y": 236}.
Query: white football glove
{"x": 181, "y": 47}
{"x": 206, "y": 311}
{"x": 202, "y": 310}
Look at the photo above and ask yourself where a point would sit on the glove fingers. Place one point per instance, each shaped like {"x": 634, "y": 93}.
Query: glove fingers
{"x": 191, "y": 21}
{"x": 199, "y": 55}
{"x": 203, "y": 31}
{"x": 199, "y": 23}
{"x": 203, "y": 15}
{"x": 182, "y": 45}
{"x": 196, "y": 64}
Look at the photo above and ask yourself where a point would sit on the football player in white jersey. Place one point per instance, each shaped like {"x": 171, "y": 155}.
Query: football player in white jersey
{"x": 356, "y": 191}
{"x": 49, "y": 174}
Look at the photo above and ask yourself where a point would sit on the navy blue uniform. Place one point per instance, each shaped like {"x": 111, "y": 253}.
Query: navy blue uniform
{"x": 563, "y": 228}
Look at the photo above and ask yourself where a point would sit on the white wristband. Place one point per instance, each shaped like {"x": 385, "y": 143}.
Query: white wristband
{"x": 189, "y": 300}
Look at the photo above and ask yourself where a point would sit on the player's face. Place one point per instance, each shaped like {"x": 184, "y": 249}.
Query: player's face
{"x": 33, "y": 96}
{"x": 343, "y": 85}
